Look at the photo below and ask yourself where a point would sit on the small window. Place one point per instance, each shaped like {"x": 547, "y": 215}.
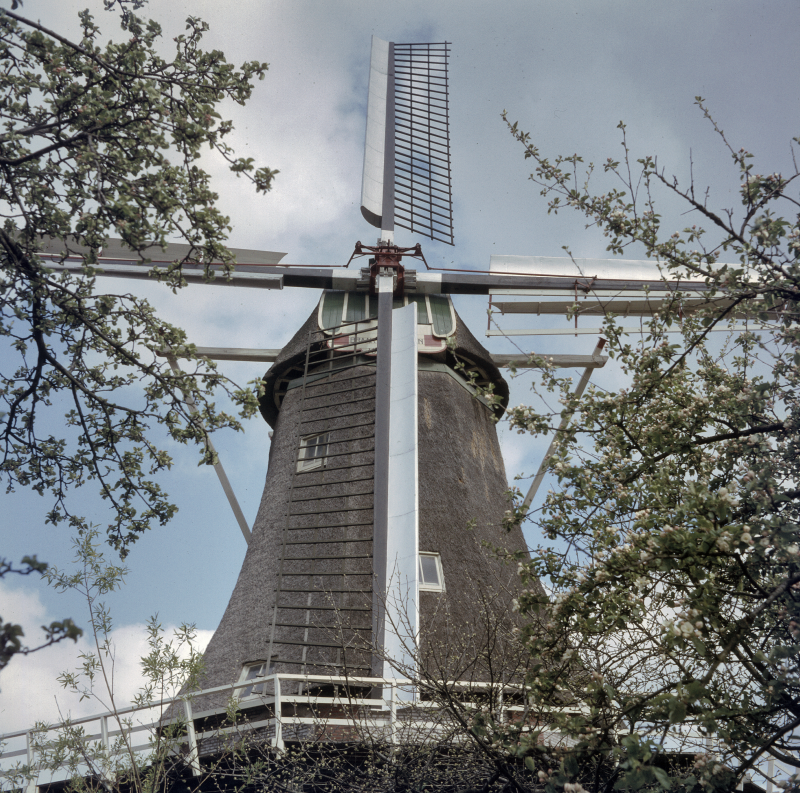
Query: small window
{"x": 253, "y": 672}
{"x": 332, "y": 309}
{"x": 431, "y": 578}
{"x": 443, "y": 315}
{"x": 356, "y": 307}
{"x": 313, "y": 450}
{"x": 339, "y": 307}
{"x": 422, "y": 308}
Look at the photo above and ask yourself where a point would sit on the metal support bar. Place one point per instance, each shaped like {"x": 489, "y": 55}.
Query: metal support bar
{"x": 104, "y": 733}
{"x": 263, "y": 280}
{"x": 393, "y": 713}
{"x": 387, "y": 216}
{"x": 223, "y": 477}
{"x": 582, "y": 383}
{"x": 106, "y": 742}
{"x": 234, "y": 354}
{"x": 521, "y": 361}
{"x": 721, "y": 328}
{"x": 385, "y": 288}
{"x": 401, "y": 594}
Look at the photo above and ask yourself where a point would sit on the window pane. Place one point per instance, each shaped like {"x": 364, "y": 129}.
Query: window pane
{"x": 332, "y": 306}
{"x": 355, "y": 307}
{"x": 430, "y": 571}
{"x": 373, "y": 306}
{"x": 422, "y": 309}
{"x": 316, "y": 447}
{"x": 313, "y": 451}
{"x": 442, "y": 318}
{"x": 257, "y": 670}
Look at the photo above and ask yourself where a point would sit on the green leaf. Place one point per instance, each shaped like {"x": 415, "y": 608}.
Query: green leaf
{"x": 662, "y": 777}
{"x": 699, "y": 646}
{"x": 677, "y": 711}
{"x": 571, "y": 765}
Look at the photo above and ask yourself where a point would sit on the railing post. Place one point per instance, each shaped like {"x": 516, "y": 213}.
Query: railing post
{"x": 31, "y": 786}
{"x": 104, "y": 734}
{"x": 106, "y": 742}
{"x": 194, "y": 751}
{"x": 770, "y": 774}
{"x": 278, "y": 744}
{"x": 393, "y": 713}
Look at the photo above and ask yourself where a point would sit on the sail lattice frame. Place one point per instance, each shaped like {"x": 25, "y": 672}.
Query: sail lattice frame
{"x": 423, "y": 193}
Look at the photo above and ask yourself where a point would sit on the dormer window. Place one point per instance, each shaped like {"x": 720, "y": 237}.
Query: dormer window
{"x": 431, "y": 576}
{"x": 313, "y": 451}
{"x": 253, "y": 672}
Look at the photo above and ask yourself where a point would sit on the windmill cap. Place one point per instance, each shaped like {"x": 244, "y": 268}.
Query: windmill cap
{"x": 289, "y": 366}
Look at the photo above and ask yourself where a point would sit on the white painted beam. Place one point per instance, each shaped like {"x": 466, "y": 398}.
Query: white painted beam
{"x": 720, "y": 328}
{"x": 586, "y": 269}
{"x": 234, "y": 354}
{"x": 401, "y": 632}
{"x": 521, "y": 361}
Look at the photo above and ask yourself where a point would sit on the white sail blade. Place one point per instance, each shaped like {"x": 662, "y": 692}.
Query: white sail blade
{"x": 375, "y": 143}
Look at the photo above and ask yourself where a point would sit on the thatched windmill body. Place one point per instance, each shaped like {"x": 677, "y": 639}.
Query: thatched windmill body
{"x": 323, "y": 583}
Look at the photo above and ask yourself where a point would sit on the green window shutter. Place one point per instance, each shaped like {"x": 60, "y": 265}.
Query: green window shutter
{"x": 442, "y": 316}
{"x": 332, "y": 305}
{"x": 422, "y": 309}
{"x": 355, "y": 307}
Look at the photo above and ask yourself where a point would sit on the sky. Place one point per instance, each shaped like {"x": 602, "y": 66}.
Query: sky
{"x": 569, "y": 72}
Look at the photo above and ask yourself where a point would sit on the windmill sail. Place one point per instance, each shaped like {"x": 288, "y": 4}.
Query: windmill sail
{"x": 407, "y": 174}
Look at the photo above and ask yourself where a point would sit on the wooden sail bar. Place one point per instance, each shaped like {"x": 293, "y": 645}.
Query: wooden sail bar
{"x": 501, "y": 360}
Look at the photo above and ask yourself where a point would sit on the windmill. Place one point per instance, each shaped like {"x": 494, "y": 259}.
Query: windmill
{"x": 381, "y": 453}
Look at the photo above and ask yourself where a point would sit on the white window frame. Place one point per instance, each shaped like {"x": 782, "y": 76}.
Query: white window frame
{"x": 256, "y": 690}
{"x": 423, "y": 587}
{"x": 318, "y": 461}
{"x": 332, "y": 331}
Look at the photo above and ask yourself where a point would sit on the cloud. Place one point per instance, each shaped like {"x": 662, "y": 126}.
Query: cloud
{"x": 29, "y": 687}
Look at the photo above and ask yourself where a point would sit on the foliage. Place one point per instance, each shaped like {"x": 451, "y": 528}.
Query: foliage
{"x": 97, "y": 142}
{"x": 11, "y": 633}
{"x": 429, "y": 751}
{"x": 119, "y": 762}
{"x": 674, "y": 554}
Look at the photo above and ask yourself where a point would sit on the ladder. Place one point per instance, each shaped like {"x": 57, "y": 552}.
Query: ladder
{"x": 322, "y": 616}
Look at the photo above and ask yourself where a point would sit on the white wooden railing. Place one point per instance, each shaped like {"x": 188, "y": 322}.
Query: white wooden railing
{"x": 384, "y": 712}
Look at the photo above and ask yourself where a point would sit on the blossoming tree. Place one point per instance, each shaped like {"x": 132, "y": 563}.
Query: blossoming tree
{"x": 97, "y": 142}
{"x": 671, "y": 543}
